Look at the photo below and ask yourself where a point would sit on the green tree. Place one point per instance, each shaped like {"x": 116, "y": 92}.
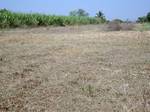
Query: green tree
{"x": 4, "y": 11}
{"x": 73, "y": 13}
{"x": 142, "y": 19}
{"x": 79, "y": 12}
{"x": 100, "y": 14}
{"x": 148, "y": 17}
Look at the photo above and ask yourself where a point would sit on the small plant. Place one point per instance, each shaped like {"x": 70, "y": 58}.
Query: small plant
{"x": 89, "y": 90}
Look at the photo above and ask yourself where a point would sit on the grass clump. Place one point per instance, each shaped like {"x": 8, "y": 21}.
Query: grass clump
{"x": 146, "y": 26}
{"x": 88, "y": 90}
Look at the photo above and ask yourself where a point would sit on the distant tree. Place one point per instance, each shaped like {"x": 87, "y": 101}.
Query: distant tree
{"x": 100, "y": 14}
{"x": 82, "y": 12}
{"x": 118, "y": 20}
{"x": 148, "y": 16}
{"x": 4, "y": 10}
{"x": 73, "y": 13}
{"x": 128, "y": 21}
{"x": 79, "y": 12}
{"x": 142, "y": 19}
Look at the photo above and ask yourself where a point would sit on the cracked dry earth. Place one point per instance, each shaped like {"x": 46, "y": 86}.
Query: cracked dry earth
{"x": 74, "y": 69}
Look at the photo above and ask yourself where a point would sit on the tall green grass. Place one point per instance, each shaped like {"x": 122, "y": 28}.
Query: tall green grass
{"x": 146, "y": 26}
{"x": 10, "y": 19}
{"x": 143, "y": 27}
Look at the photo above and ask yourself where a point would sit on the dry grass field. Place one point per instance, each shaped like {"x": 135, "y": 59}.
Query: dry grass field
{"x": 74, "y": 69}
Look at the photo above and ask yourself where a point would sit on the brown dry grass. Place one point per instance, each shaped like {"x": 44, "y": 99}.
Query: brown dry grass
{"x": 75, "y": 69}
{"x": 117, "y": 26}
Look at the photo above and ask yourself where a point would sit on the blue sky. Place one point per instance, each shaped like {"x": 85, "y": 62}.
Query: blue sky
{"x": 123, "y": 9}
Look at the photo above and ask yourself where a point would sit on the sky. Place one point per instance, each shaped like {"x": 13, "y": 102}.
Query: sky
{"x": 122, "y": 9}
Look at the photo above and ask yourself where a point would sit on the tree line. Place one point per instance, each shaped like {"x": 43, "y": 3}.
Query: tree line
{"x": 144, "y": 18}
{"x": 10, "y": 19}
{"x": 100, "y": 14}
{"x": 81, "y": 12}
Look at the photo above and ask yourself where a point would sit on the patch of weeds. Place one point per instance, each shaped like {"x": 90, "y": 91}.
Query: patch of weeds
{"x": 144, "y": 27}
{"x": 26, "y": 70}
{"x": 17, "y": 75}
{"x": 88, "y": 90}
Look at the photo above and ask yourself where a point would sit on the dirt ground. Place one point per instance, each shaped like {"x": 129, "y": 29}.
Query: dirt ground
{"x": 74, "y": 69}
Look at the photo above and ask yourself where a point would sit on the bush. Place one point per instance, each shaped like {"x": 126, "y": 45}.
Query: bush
{"x": 127, "y": 26}
{"x": 114, "y": 26}
{"x": 118, "y": 20}
{"x": 117, "y": 26}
